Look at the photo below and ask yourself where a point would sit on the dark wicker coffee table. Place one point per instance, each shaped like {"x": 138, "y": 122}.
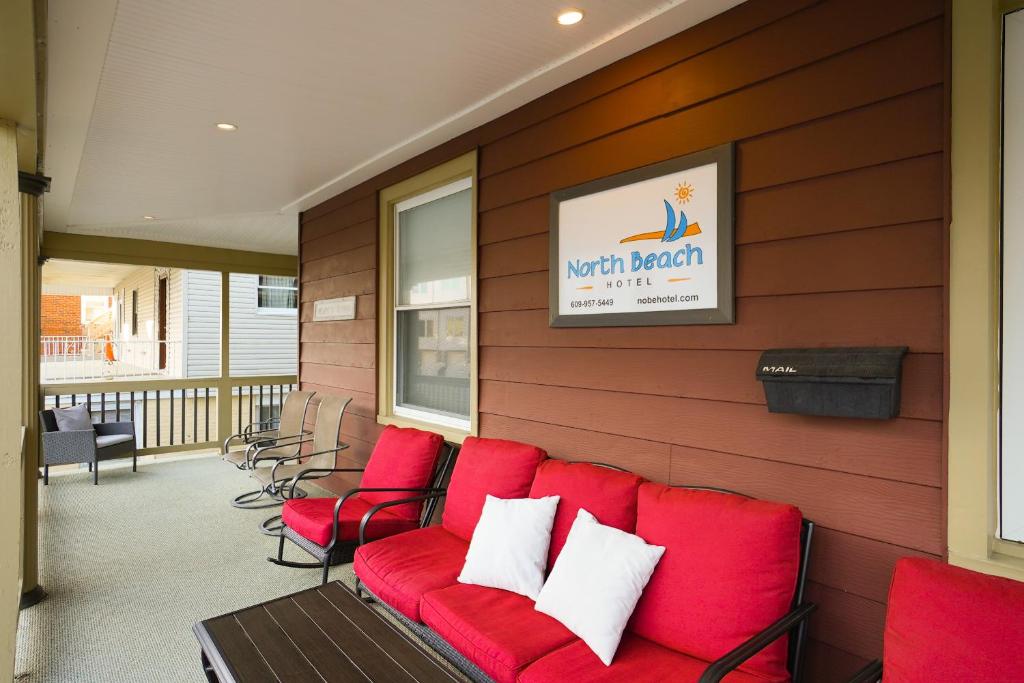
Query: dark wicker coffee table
{"x": 324, "y": 633}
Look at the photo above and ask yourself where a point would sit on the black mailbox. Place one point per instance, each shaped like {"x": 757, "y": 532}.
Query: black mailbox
{"x": 852, "y": 382}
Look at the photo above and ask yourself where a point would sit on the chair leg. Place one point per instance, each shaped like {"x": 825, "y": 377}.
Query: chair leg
{"x": 327, "y": 566}
{"x": 90, "y": 466}
{"x": 135, "y": 457}
{"x": 46, "y": 475}
{"x": 96, "y": 473}
{"x": 280, "y": 548}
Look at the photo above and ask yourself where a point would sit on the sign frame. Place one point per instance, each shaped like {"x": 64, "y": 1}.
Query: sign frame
{"x": 724, "y": 313}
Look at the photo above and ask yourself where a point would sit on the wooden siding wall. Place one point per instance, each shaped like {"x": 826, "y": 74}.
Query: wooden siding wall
{"x": 838, "y": 111}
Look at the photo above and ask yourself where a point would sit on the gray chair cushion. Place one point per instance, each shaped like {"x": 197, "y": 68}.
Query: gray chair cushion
{"x": 75, "y": 418}
{"x": 111, "y": 439}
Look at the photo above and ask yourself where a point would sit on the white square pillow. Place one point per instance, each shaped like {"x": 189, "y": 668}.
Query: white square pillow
{"x": 509, "y": 548}
{"x": 597, "y": 581}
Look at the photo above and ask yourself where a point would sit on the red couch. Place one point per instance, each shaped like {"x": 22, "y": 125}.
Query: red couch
{"x": 724, "y": 601}
{"x": 945, "y": 623}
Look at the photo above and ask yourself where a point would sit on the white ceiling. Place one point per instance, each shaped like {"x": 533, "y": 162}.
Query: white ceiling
{"x": 61, "y": 276}
{"x": 326, "y": 93}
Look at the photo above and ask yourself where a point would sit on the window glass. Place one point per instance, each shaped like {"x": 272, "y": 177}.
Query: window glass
{"x": 433, "y": 361}
{"x": 434, "y": 251}
{"x": 1011, "y": 466}
{"x": 433, "y": 262}
{"x": 277, "y": 292}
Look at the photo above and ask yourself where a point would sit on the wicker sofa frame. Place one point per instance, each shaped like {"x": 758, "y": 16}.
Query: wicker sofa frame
{"x": 79, "y": 446}
{"x": 794, "y": 622}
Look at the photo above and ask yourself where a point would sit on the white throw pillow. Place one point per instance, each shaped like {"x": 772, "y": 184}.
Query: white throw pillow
{"x": 597, "y": 581}
{"x": 509, "y": 548}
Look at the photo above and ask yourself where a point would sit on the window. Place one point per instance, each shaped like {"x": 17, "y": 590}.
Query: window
{"x": 135, "y": 312}
{"x": 1011, "y": 461}
{"x": 277, "y": 294}
{"x": 428, "y": 274}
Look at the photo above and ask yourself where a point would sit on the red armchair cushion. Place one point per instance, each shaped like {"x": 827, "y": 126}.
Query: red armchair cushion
{"x": 637, "y": 661}
{"x": 497, "y": 630}
{"x": 946, "y": 623}
{"x": 503, "y": 469}
{"x": 403, "y": 458}
{"x": 728, "y": 572}
{"x": 313, "y": 518}
{"x": 400, "y": 569}
{"x": 609, "y": 495}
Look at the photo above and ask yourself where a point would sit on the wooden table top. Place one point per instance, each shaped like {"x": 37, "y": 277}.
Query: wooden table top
{"x": 324, "y": 633}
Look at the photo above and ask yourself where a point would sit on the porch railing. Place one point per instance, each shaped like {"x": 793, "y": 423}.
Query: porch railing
{"x": 79, "y": 359}
{"x": 176, "y": 415}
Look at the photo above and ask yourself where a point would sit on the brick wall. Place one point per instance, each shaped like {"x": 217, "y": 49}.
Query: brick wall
{"x": 61, "y": 315}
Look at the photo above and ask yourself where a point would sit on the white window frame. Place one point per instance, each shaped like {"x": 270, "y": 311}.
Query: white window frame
{"x": 454, "y": 176}
{"x": 269, "y": 310}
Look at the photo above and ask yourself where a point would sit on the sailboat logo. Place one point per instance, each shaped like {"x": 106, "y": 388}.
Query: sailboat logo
{"x": 674, "y": 229}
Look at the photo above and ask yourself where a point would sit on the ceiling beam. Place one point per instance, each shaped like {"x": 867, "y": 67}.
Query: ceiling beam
{"x": 63, "y": 245}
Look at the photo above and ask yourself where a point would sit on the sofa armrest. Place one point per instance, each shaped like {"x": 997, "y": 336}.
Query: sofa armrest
{"x": 719, "y": 668}
{"x": 428, "y": 494}
{"x": 69, "y": 447}
{"x": 872, "y": 673}
{"x": 108, "y": 428}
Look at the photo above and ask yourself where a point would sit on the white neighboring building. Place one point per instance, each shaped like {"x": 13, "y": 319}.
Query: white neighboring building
{"x": 178, "y": 312}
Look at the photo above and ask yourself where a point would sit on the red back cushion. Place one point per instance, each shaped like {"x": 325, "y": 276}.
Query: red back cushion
{"x": 729, "y": 571}
{"x": 609, "y": 495}
{"x": 503, "y": 469}
{"x": 403, "y": 458}
{"x": 946, "y": 623}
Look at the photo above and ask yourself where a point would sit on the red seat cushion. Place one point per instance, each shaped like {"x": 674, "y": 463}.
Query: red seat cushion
{"x": 497, "y": 630}
{"x": 637, "y": 661}
{"x": 400, "y": 569}
{"x": 946, "y": 623}
{"x": 503, "y": 469}
{"x": 313, "y": 518}
{"x": 608, "y": 494}
{"x": 728, "y": 572}
{"x": 403, "y": 458}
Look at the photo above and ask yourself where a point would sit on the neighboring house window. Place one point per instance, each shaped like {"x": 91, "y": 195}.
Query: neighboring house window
{"x": 135, "y": 312}
{"x": 277, "y": 294}
{"x": 428, "y": 331}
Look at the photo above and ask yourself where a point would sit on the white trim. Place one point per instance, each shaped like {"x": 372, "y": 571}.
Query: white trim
{"x": 433, "y": 195}
{"x": 431, "y": 417}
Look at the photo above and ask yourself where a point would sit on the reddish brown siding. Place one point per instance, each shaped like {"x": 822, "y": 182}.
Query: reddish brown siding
{"x": 837, "y": 111}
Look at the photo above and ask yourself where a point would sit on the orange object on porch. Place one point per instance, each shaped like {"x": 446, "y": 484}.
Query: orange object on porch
{"x": 108, "y": 350}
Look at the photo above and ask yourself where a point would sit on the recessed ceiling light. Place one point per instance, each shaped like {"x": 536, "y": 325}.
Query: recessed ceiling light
{"x": 570, "y": 17}
{"x": 148, "y": 218}
{"x": 227, "y": 126}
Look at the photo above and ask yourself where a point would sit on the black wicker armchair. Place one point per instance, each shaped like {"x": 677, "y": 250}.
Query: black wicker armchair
{"x": 106, "y": 440}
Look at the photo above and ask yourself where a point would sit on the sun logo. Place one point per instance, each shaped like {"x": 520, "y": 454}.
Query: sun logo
{"x": 684, "y": 192}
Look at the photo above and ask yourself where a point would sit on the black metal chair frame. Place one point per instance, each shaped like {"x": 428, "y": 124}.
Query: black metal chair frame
{"x": 283, "y": 488}
{"x": 339, "y": 551}
{"x": 270, "y": 427}
{"x": 872, "y": 673}
{"x": 329, "y": 417}
{"x": 794, "y": 622}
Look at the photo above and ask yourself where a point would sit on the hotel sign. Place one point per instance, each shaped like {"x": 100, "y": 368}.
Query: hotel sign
{"x": 652, "y": 246}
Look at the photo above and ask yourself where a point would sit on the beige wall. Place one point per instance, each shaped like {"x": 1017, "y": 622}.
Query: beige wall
{"x": 11, "y": 476}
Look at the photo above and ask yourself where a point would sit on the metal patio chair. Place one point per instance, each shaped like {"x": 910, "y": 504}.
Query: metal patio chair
{"x": 106, "y": 440}
{"x": 274, "y": 471}
{"x": 331, "y": 531}
{"x": 281, "y": 441}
